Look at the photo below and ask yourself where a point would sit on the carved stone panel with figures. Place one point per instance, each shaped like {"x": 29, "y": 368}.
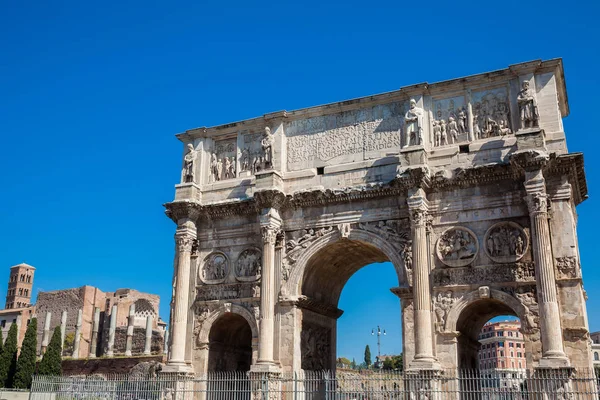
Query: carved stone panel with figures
{"x": 457, "y": 247}
{"x": 491, "y": 113}
{"x": 315, "y": 343}
{"x": 450, "y": 121}
{"x": 223, "y": 160}
{"x": 248, "y": 265}
{"x": 506, "y": 242}
{"x": 250, "y": 153}
{"x": 214, "y": 268}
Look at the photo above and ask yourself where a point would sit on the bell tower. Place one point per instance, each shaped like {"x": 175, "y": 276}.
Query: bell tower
{"x": 20, "y": 283}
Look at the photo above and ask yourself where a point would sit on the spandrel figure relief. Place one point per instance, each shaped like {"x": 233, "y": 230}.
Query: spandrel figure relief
{"x": 413, "y": 125}
{"x": 457, "y": 247}
{"x": 527, "y": 107}
{"x": 214, "y": 269}
{"x": 506, "y": 242}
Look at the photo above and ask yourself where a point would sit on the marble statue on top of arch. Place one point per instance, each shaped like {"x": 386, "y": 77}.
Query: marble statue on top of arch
{"x": 267, "y": 145}
{"x": 413, "y": 125}
{"x": 527, "y": 107}
{"x": 188, "y": 164}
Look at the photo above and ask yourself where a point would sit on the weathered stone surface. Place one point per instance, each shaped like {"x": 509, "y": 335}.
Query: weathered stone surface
{"x": 465, "y": 186}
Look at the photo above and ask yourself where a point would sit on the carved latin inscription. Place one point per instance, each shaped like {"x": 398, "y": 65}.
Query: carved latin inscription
{"x": 457, "y": 247}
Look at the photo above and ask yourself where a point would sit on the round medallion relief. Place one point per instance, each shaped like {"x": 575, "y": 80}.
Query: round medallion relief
{"x": 506, "y": 242}
{"x": 457, "y": 247}
{"x": 214, "y": 268}
{"x": 248, "y": 265}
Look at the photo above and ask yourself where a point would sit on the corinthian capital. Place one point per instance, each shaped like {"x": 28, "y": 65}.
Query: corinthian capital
{"x": 184, "y": 243}
{"x": 269, "y": 235}
{"x": 418, "y": 217}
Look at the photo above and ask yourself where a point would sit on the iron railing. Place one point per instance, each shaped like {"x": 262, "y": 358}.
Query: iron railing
{"x": 317, "y": 385}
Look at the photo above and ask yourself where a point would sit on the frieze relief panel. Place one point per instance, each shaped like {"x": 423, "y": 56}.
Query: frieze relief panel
{"x": 450, "y": 121}
{"x": 491, "y": 113}
{"x": 315, "y": 342}
{"x": 227, "y": 291}
{"x": 487, "y": 274}
{"x": 223, "y": 160}
{"x": 567, "y": 268}
{"x": 361, "y": 134}
{"x": 251, "y": 152}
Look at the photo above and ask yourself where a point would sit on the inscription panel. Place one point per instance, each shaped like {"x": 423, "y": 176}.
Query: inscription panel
{"x": 344, "y": 137}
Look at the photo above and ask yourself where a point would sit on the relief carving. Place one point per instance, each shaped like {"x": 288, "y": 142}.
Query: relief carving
{"x": 450, "y": 124}
{"x": 527, "y": 107}
{"x": 567, "y": 267}
{"x": 457, "y": 247}
{"x": 222, "y": 160}
{"x": 491, "y": 116}
{"x": 295, "y": 246}
{"x": 529, "y": 302}
{"x": 267, "y": 147}
{"x": 413, "y": 125}
{"x": 214, "y": 268}
{"x": 442, "y": 305}
{"x": 316, "y": 347}
{"x": 537, "y": 202}
{"x": 357, "y": 132}
{"x": 516, "y": 272}
{"x": 506, "y": 242}
{"x": 227, "y": 291}
{"x": 248, "y": 265}
{"x": 189, "y": 161}
{"x": 251, "y": 154}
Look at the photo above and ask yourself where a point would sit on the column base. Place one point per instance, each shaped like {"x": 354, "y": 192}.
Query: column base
{"x": 265, "y": 368}
{"x": 554, "y": 362}
{"x": 422, "y": 364}
{"x": 178, "y": 368}
{"x": 128, "y": 353}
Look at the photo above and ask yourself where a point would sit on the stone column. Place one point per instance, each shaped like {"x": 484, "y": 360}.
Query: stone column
{"x": 148, "y": 342}
{"x": 77, "y": 340}
{"x": 46, "y": 337}
{"x": 130, "y": 321}
{"x": 277, "y": 329}
{"x": 166, "y": 343}
{"x": 63, "y": 330}
{"x": 95, "y": 327}
{"x": 111, "y": 332}
{"x": 418, "y": 208}
{"x": 553, "y": 354}
{"x": 178, "y": 330}
{"x": 270, "y": 223}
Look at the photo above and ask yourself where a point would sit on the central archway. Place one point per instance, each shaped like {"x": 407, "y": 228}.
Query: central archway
{"x": 325, "y": 270}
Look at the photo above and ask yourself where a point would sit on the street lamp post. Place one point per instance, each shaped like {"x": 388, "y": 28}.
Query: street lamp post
{"x": 379, "y": 333}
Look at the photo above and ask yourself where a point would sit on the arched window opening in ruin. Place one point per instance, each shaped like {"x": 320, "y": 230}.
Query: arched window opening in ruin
{"x": 230, "y": 344}
{"x": 326, "y": 274}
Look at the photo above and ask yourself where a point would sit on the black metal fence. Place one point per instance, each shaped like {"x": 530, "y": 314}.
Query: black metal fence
{"x": 317, "y": 385}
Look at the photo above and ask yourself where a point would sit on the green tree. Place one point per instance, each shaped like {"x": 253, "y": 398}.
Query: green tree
{"x": 27, "y": 358}
{"x": 343, "y": 361}
{"x": 367, "y": 356}
{"x": 394, "y": 363}
{"x": 51, "y": 363}
{"x": 353, "y": 364}
{"x": 8, "y": 360}
{"x": 1, "y": 343}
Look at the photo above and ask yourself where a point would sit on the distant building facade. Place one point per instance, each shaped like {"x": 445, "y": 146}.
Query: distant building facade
{"x": 595, "y": 336}
{"x": 18, "y": 309}
{"x": 502, "y": 352}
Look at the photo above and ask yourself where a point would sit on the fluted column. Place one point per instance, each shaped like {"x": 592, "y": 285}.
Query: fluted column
{"x": 418, "y": 212}
{"x": 277, "y": 272}
{"x": 184, "y": 242}
{"x": 270, "y": 226}
{"x": 550, "y": 326}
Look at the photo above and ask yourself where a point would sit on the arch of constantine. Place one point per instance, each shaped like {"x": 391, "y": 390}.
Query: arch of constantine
{"x": 466, "y": 186}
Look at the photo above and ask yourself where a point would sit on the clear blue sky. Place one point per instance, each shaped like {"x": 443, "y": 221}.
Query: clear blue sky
{"x": 91, "y": 95}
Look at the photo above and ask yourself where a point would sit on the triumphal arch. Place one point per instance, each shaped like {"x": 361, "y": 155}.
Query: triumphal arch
{"x": 466, "y": 186}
